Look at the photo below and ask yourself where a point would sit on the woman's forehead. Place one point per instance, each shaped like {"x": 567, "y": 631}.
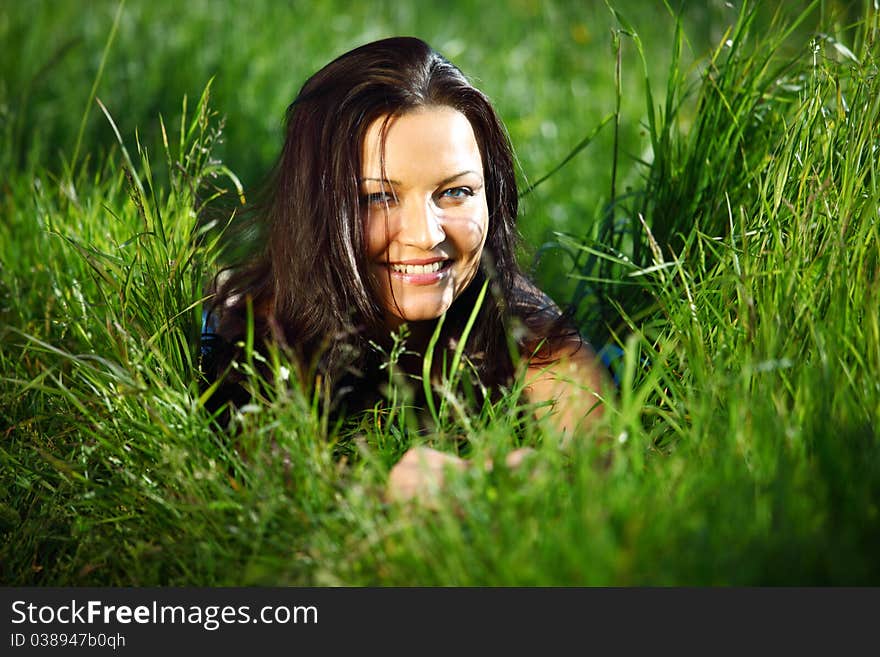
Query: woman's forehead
{"x": 428, "y": 143}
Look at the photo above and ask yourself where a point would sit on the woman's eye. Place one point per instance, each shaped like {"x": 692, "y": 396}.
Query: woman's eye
{"x": 458, "y": 192}
{"x": 379, "y": 198}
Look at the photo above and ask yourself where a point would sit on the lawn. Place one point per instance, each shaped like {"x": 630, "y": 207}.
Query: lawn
{"x": 711, "y": 211}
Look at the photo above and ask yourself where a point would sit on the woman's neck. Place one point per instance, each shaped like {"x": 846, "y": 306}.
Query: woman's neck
{"x": 416, "y": 337}
{"x": 420, "y": 334}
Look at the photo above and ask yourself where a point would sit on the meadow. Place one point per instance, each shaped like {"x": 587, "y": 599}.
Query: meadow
{"x": 700, "y": 185}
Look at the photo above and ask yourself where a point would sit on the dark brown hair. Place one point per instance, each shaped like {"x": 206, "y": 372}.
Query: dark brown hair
{"x": 309, "y": 285}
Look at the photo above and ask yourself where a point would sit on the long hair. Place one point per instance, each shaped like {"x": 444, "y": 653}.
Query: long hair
{"x": 308, "y": 286}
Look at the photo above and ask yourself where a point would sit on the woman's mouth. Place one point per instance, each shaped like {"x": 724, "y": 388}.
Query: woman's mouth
{"x": 418, "y": 269}
{"x": 420, "y": 274}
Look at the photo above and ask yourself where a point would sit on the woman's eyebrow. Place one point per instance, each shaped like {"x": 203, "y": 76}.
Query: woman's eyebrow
{"x": 445, "y": 181}
{"x": 448, "y": 180}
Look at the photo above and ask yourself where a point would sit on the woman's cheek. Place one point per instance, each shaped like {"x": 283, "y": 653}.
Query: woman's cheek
{"x": 376, "y": 230}
{"x": 472, "y": 232}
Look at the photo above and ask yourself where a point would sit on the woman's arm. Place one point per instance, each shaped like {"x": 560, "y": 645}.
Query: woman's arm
{"x": 569, "y": 383}
{"x": 564, "y": 374}
{"x": 565, "y": 379}
{"x": 571, "y": 379}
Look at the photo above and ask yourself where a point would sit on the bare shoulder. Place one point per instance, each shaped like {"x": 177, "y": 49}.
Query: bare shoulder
{"x": 571, "y": 376}
{"x": 563, "y": 371}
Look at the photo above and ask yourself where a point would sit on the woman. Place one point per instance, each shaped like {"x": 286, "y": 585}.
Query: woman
{"x": 394, "y": 202}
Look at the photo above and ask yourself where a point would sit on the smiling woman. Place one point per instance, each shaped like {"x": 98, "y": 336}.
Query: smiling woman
{"x": 426, "y": 214}
{"x": 394, "y": 203}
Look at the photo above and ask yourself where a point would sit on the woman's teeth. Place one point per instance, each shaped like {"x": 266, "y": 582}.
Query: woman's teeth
{"x": 418, "y": 269}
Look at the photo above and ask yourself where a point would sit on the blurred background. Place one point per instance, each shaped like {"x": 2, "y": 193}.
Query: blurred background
{"x": 548, "y": 65}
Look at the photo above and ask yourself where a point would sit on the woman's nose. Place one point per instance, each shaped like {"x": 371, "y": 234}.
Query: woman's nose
{"x": 421, "y": 226}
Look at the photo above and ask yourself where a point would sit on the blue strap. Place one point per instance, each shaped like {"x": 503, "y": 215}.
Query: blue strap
{"x": 612, "y": 358}
{"x": 209, "y": 333}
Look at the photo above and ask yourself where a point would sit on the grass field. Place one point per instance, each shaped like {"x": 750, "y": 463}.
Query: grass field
{"x": 721, "y": 229}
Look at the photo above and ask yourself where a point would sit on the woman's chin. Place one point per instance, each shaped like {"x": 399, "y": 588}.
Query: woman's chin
{"x": 421, "y": 316}
{"x": 416, "y": 308}
{"x": 415, "y": 316}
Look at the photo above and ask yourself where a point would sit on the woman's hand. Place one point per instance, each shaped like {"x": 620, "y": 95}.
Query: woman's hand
{"x": 420, "y": 474}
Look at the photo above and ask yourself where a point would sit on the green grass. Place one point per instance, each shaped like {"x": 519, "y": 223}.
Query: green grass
{"x": 548, "y": 66}
{"x": 738, "y": 266}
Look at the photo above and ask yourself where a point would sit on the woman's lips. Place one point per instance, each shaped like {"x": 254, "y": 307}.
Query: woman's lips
{"x": 420, "y": 272}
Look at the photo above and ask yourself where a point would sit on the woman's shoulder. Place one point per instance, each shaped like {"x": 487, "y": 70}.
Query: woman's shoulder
{"x": 561, "y": 365}
{"x": 554, "y": 329}
{"x": 237, "y": 297}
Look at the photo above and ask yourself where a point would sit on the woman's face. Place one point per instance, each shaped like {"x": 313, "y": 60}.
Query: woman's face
{"x": 426, "y": 213}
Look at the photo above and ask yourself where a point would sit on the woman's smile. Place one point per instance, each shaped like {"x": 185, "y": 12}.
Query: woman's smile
{"x": 425, "y": 211}
{"x": 416, "y": 272}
